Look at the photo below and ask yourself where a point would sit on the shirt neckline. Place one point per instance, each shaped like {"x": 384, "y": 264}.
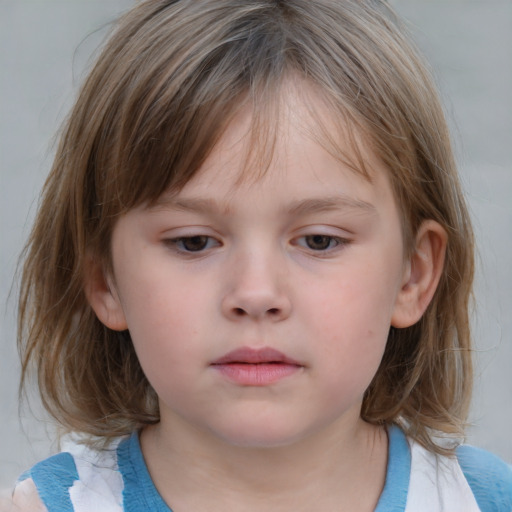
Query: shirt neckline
{"x": 398, "y": 473}
{"x": 140, "y": 492}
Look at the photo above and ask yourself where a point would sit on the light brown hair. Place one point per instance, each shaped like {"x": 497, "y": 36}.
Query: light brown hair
{"x": 165, "y": 86}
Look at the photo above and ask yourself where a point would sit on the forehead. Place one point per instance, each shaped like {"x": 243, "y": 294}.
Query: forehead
{"x": 297, "y": 144}
{"x": 299, "y": 119}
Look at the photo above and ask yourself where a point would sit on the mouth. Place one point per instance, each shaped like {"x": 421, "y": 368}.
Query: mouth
{"x": 256, "y": 367}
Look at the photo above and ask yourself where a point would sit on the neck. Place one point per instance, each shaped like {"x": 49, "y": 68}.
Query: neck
{"x": 328, "y": 471}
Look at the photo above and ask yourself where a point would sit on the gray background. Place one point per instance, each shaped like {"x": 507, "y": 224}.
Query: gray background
{"x": 45, "y": 46}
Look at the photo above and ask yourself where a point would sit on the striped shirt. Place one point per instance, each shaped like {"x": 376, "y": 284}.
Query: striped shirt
{"x": 116, "y": 479}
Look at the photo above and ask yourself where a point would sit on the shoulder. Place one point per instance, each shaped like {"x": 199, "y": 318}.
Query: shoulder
{"x": 489, "y": 477}
{"x": 47, "y": 484}
{"x": 79, "y": 479}
{"x": 24, "y": 499}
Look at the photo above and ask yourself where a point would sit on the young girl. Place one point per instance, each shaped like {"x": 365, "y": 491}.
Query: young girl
{"x": 247, "y": 285}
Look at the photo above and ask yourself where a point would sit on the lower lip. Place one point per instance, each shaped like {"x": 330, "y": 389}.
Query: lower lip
{"x": 260, "y": 374}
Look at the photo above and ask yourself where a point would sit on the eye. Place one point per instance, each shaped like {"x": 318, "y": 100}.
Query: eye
{"x": 320, "y": 242}
{"x": 196, "y": 243}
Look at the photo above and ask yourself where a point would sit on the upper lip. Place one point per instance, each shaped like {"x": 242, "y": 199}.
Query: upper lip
{"x": 255, "y": 356}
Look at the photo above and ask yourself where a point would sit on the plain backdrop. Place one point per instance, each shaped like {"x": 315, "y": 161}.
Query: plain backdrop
{"x": 45, "y": 46}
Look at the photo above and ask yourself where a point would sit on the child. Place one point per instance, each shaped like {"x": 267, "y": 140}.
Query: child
{"x": 247, "y": 286}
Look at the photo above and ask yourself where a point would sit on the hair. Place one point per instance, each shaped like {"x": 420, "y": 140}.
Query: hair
{"x": 164, "y": 88}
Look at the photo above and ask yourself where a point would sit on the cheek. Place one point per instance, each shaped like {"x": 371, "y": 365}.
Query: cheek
{"x": 164, "y": 300}
{"x": 352, "y": 321}
{"x": 359, "y": 304}
{"x": 350, "y": 355}
{"x": 164, "y": 323}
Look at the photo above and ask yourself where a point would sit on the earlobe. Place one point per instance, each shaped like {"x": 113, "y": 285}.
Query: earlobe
{"x": 422, "y": 275}
{"x": 102, "y": 296}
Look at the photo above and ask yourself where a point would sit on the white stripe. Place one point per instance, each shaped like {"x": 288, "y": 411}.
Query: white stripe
{"x": 437, "y": 484}
{"x": 100, "y": 484}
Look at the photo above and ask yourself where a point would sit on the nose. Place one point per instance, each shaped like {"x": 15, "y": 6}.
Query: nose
{"x": 257, "y": 289}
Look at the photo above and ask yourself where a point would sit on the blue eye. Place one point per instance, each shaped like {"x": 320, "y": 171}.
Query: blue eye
{"x": 195, "y": 243}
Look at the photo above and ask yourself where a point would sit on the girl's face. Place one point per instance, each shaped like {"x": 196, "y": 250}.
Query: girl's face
{"x": 260, "y": 310}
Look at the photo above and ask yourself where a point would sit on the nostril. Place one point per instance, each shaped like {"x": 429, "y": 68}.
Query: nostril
{"x": 242, "y": 312}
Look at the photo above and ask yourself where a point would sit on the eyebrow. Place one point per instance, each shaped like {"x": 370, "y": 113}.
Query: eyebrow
{"x": 338, "y": 202}
{"x": 295, "y": 208}
{"x": 190, "y": 204}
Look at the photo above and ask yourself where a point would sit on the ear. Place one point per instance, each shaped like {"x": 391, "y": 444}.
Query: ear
{"x": 421, "y": 276}
{"x": 102, "y": 295}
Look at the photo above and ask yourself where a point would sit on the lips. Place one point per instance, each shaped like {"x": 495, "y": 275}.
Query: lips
{"x": 256, "y": 367}
{"x": 255, "y": 356}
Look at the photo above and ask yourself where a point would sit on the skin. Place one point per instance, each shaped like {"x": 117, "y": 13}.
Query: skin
{"x": 308, "y": 260}
{"x": 25, "y": 499}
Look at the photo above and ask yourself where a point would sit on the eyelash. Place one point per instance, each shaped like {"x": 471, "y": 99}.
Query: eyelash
{"x": 179, "y": 243}
{"x": 205, "y": 242}
{"x": 338, "y": 242}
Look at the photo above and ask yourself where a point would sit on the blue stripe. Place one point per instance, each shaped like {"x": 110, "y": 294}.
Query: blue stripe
{"x": 139, "y": 491}
{"x": 53, "y": 478}
{"x": 394, "y": 495}
{"x": 489, "y": 477}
